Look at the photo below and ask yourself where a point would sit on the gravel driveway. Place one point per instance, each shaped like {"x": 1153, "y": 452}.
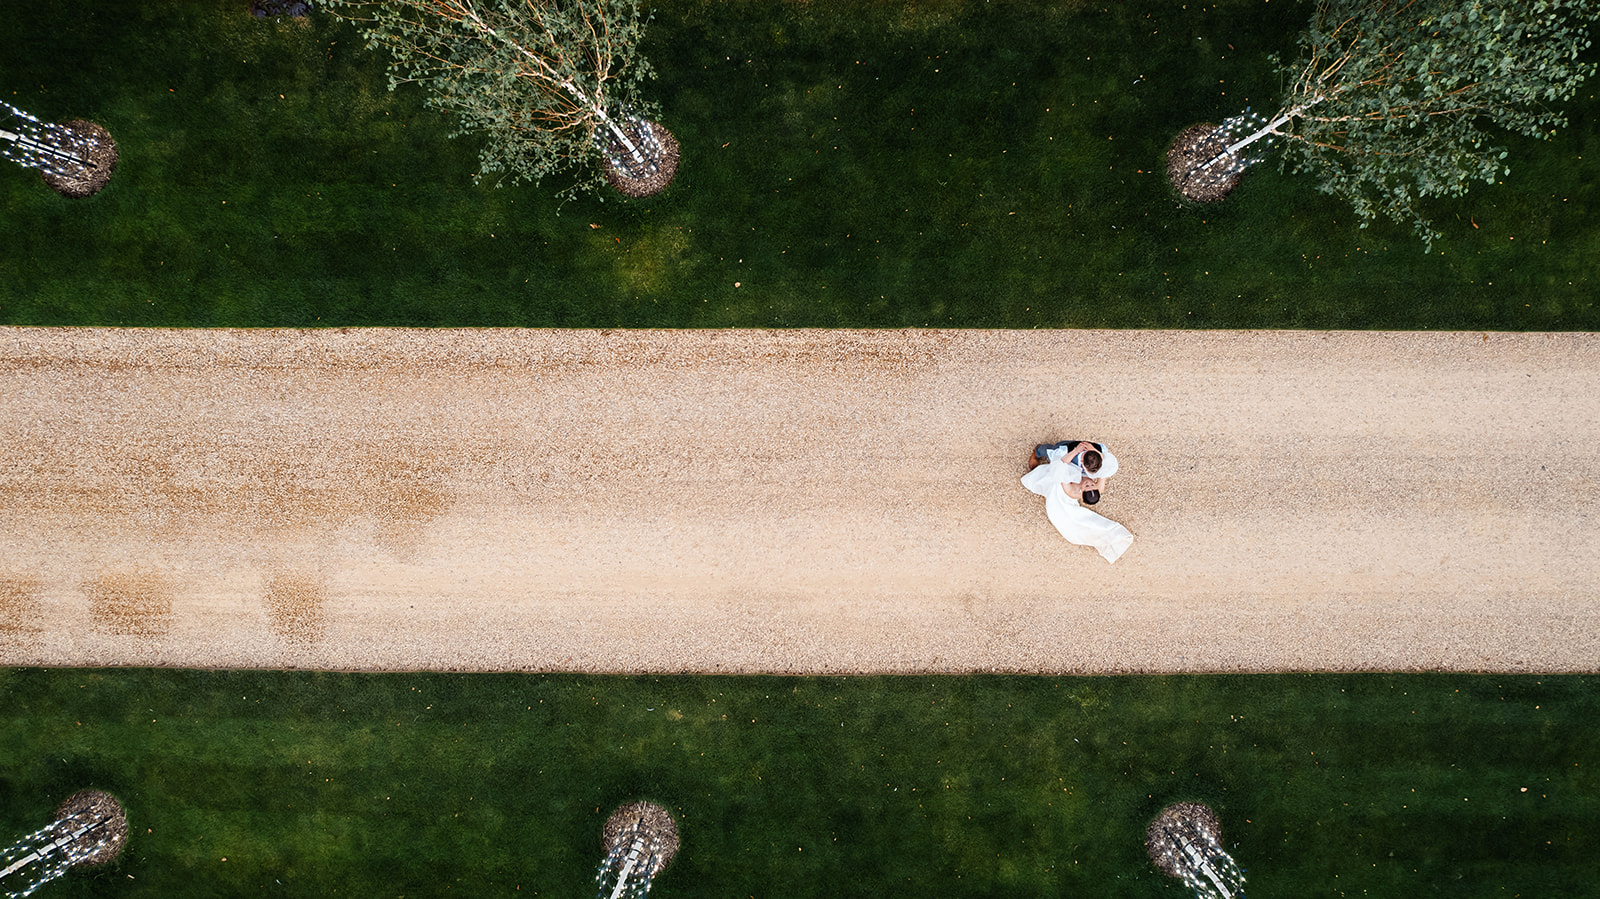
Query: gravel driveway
{"x": 796, "y": 501}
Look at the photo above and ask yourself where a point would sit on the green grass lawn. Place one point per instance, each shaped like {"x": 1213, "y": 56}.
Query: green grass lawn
{"x": 940, "y": 163}
{"x": 414, "y": 785}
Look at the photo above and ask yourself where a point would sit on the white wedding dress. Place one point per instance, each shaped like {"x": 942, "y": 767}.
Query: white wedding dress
{"x": 1076, "y": 522}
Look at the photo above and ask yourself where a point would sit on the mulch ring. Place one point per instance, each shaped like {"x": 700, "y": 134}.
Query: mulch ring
{"x": 651, "y": 821}
{"x": 94, "y": 145}
{"x": 1186, "y": 820}
{"x": 656, "y": 181}
{"x": 1196, "y": 145}
{"x": 94, "y": 805}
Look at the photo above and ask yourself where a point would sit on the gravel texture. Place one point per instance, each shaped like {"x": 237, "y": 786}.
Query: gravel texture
{"x": 795, "y": 501}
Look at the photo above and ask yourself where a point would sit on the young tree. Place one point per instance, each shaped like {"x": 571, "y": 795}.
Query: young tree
{"x": 553, "y": 84}
{"x": 1391, "y": 100}
{"x": 90, "y": 829}
{"x": 1185, "y": 841}
{"x": 76, "y": 158}
{"x": 640, "y": 839}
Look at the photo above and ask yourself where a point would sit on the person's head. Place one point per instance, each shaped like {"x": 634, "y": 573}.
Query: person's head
{"x": 1090, "y": 497}
{"x": 1091, "y": 462}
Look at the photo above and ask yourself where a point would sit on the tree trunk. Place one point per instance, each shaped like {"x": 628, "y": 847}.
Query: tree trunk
{"x": 1266, "y": 130}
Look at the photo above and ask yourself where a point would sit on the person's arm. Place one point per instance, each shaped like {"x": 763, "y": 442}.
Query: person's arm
{"x": 1073, "y": 489}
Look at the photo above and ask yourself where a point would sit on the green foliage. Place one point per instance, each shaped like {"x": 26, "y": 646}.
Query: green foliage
{"x": 538, "y": 78}
{"x": 1393, "y": 100}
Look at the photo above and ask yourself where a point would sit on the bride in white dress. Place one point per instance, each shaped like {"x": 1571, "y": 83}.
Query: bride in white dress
{"x": 1061, "y": 481}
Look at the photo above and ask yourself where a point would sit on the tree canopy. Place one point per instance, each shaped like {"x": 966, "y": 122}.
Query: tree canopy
{"x": 552, "y": 84}
{"x": 1391, "y": 101}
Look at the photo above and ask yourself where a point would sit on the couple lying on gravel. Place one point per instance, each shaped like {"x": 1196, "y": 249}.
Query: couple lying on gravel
{"x": 1071, "y": 471}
